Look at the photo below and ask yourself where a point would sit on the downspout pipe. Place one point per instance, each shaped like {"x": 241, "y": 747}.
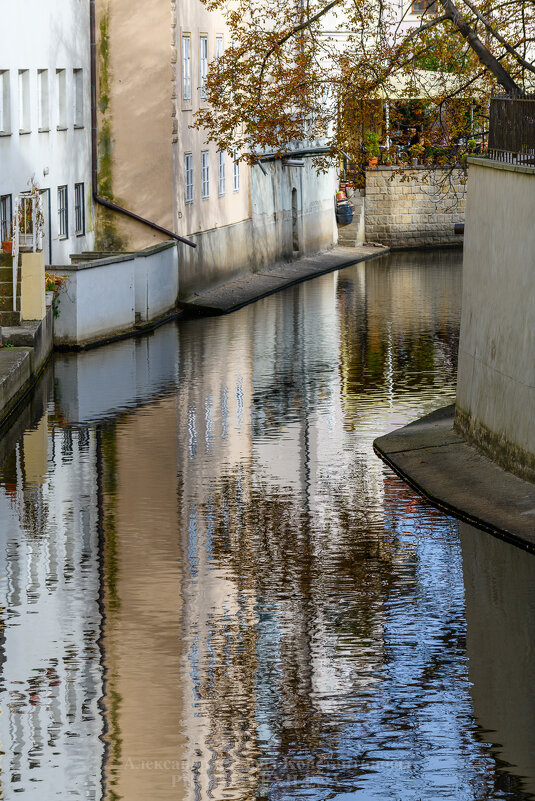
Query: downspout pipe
{"x": 102, "y": 201}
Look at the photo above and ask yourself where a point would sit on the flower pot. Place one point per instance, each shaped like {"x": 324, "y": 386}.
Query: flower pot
{"x": 373, "y": 162}
{"x": 49, "y": 297}
{"x": 7, "y": 245}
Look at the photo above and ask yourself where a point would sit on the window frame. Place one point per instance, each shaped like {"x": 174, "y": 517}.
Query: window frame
{"x": 43, "y": 101}
{"x": 221, "y": 173}
{"x": 6, "y": 223}
{"x": 186, "y": 68}
{"x": 5, "y": 103}
{"x": 78, "y": 96}
{"x": 79, "y": 209}
{"x": 24, "y": 101}
{"x": 218, "y": 46}
{"x": 235, "y": 171}
{"x": 205, "y": 174}
{"x": 63, "y": 212}
{"x": 61, "y": 99}
{"x": 203, "y": 66}
{"x": 188, "y": 173}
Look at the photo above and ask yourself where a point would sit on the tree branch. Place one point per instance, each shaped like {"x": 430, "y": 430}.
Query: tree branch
{"x": 500, "y": 38}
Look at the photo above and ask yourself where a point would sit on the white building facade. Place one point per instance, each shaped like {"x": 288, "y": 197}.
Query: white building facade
{"x": 45, "y": 120}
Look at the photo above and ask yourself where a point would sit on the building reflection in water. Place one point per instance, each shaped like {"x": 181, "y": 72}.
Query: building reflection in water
{"x": 229, "y": 596}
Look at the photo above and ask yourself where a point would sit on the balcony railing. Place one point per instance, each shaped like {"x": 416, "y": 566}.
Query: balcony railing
{"x": 512, "y": 128}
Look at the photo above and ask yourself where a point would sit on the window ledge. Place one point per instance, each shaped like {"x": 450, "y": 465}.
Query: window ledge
{"x": 44, "y": 130}
{"x": 79, "y": 233}
{"x": 61, "y": 127}
{"x": 24, "y": 131}
{"x": 5, "y": 133}
{"x": 78, "y": 127}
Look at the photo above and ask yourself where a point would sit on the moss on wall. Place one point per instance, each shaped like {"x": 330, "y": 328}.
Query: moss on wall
{"x": 107, "y": 237}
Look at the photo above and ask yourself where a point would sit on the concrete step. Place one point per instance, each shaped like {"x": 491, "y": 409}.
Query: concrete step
{"x": 6, "y": 274}
{"x": 10, "y": 318}
{"x": 6, "y": 302}
{"x": 6, "y": 289}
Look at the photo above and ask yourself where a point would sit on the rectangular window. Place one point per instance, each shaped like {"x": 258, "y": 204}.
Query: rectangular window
{"x": 221, "y": 171}
{"x": 5, "y": 217}
{"x": 186, "y": 68}
{"x": 419, "y": 6}
{"x": 188, "y": 177}
{"x": 204, "y": 65}
{"x": 24, "y": 100}
{"x": 63, "y": 213}
{"x": 236, "y": 172}
{"x": 205, "y": 174}
{"x": 78, "y": 89}
{"x": 5, "y": 117}
{"x": 218, "y": 47}
{"x": 42, "y": 100}
{"x": 79, "y": 210}
{"x": 61, "y": 98}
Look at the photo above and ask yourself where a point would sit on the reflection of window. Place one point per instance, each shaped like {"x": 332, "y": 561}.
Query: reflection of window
{"x": 24, "y": 100}
{"x": 186, "y": 67}
{"x": 63, "y": 213}
{"x": 79, "y": 221}
{"x": 5, "y": 217}
{"x": 188, "y": 177}
{"x": 419, "y": 6}
{"x": 221, "y": 170}
{"x": 204, "y": 65}
{"x": 42, "y": 100}
{"x": 78, "y": 79}
{"x": 5, "y": 126}
{"x": 205, "y": 174}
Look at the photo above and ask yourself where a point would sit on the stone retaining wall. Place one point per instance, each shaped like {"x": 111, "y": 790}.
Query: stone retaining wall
{"x": 414, "y": 206}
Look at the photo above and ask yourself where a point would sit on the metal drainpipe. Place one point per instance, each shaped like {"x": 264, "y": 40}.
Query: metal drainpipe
{"x": 94, "y": 183}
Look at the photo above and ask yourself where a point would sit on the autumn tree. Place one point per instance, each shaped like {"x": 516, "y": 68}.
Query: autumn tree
{"x": 308, "y": 70}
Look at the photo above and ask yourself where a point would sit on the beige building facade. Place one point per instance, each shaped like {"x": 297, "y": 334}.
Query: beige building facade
{"x": 151, "y": 70}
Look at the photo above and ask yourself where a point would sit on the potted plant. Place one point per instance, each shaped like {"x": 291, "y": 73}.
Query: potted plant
{"x": 7, "y": 245}
{"x": 416, "y": 152}
{"x": 371, "y": 147}
{"x": 53, "y": 284}
{"x": 388, "y": 157}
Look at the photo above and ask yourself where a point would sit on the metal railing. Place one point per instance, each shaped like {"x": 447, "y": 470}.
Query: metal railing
{"x": 512, "y": 128}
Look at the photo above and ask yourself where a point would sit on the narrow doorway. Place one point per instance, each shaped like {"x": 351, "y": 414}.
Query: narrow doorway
{"x": 295, "y": 232}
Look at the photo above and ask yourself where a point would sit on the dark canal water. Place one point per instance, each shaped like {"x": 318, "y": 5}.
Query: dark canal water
{"x": 211, "y": 588}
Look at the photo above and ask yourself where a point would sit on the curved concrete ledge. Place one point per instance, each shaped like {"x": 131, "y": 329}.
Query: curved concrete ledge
{"x": 459, "y": 480}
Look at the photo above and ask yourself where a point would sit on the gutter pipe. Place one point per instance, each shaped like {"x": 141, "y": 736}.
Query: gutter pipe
{"x": 94, "y": 182}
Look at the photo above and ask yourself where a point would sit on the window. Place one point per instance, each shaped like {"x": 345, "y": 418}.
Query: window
{"x": 218, "y": 47}
{"x": 204, "y": 65}
{"x": 24, "y": 101}
{"x": 186, "y": 68}
{"x": 61, "y": 90}
{"x": 42, "y": 100}
{"x": 419, "y": 6}
{"x": 79, "y": 210}
{"x": 188, "y": 177}
{"x": 236, "y": 172}
{"x": 5, "y": 121}
{"x": 221, "y": 171}
{"x": 63, "y": 213}
{"x": 5, "y": 217}
{"x": 205, "y": 174}
{"x": 78, "y": 88}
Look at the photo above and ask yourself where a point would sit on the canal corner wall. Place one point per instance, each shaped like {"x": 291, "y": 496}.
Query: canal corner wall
{"x": 476, "y": 460}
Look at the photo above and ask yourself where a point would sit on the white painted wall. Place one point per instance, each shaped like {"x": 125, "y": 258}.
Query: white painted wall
{"x": 496, "y": 373}
{"x": 48, "y": 35}
{"x": 109, "y": 296}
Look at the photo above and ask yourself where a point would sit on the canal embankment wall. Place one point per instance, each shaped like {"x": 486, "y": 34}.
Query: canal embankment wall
{"x": 108, "y": 297}
{"x": 412, "y": 207}
{"x": 496, "y": 374}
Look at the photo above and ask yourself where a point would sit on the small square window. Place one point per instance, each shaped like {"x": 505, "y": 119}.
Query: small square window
{"x": 186, "y": 68}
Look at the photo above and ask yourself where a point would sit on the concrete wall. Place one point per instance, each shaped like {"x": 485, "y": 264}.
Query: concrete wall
{"x": 496, "y": 374}
{"x": 48, "y": 36}
{"x": 266, "y": 238}
{"x": 414, "y": 206}
{"x": 109, "y": 296}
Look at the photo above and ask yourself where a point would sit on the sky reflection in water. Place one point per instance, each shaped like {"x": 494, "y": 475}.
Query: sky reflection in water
{"x": 212, "y": 589}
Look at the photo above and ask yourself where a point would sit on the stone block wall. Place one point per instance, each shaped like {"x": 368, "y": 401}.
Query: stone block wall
{"x": 414, "y": 206}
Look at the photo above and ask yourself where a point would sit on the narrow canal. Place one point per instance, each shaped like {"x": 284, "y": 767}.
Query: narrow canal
{"x": 211, "y": 588}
